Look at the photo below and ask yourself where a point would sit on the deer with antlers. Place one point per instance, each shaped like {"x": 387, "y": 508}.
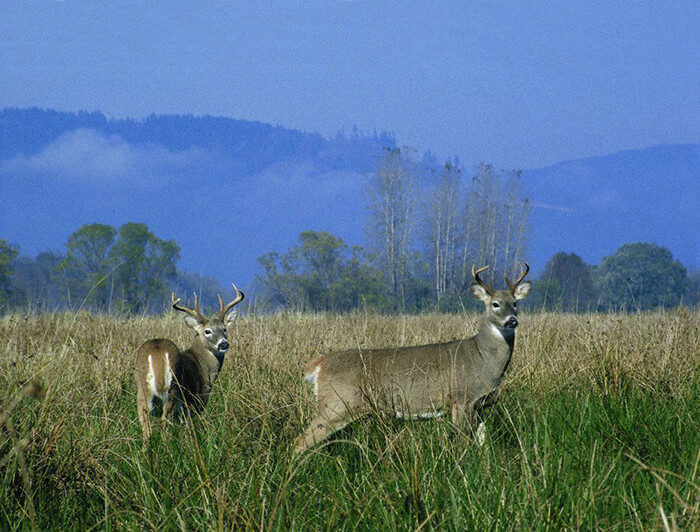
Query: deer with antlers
{"x": 420, "y": 382}
{"x": 167, "y": 379}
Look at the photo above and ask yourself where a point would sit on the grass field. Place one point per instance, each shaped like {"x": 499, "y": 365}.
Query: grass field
{"x": 598, "y": 428}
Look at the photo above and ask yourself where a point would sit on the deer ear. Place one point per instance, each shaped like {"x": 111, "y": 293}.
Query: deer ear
{"x": 479, "y": 291}
{"x": 522, "y": 290}
{"x": 191, "y": 321}
{"x": 231, "y": 316}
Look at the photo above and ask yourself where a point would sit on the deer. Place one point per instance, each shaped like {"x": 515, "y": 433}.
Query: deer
{"x": 420, "y": 382}
{"x": 169, "y": 380}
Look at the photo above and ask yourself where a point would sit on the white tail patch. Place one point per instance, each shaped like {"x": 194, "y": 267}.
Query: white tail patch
{"x": 168, "y": 371}
{"x": 151, "y": 379}
{"x": 312, "y": 378}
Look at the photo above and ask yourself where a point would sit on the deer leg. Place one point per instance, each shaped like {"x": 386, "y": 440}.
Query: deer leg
{"x": 465, "y": 417}
{"x": 318, "y": 430}
{"x": 169, "y": 406}
{"x": 144, "y": 410}
{"x": 485, "y": 402}
{"x": 460, "y": 415}
{"x": 480, "y": 434}
{"x": 331, "y": 419}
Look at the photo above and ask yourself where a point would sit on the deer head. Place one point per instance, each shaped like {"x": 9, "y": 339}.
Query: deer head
{"x": 211, "y": 332}
{"x": 501, "y": 305}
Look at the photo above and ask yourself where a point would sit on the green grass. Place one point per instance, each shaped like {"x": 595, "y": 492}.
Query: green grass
{"x": 598, "y": 428}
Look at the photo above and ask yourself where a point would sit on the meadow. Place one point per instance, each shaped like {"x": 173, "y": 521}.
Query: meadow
{"x": 597, "y": 428}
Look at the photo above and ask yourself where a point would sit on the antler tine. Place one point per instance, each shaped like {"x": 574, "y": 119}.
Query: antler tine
{"x": 523, "y": 273}
{"x": 475, "y": 274}
{"x": 192, "y": 312}
{"x": 225, "y": 309}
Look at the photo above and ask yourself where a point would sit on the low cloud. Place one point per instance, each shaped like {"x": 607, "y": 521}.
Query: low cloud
{"x": 86, "y": 155}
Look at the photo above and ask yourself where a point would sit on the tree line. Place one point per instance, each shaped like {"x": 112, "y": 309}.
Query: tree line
{"x": 322, "y": 273}
{"x": 426, "y": 228}
{"x": 104, "y": 269}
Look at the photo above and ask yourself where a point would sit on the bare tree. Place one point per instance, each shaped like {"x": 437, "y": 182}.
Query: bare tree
{"x": 442, "y": 212}
{"x": 391, "y": 198}
{"x": 495, "y": 221}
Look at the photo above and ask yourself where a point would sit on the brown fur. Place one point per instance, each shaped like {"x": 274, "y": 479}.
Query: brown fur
{"x": 417, "y": 381}
{"x": 183, "y": 378}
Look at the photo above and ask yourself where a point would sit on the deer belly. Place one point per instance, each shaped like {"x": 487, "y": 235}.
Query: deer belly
{"x": 407, "y": 390}
{"x": 418, "y": 402}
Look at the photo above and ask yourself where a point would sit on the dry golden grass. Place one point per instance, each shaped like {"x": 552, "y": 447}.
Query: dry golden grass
{"x": 552, "y": 350}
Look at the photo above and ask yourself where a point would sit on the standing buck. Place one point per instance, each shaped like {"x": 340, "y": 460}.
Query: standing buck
{"x": 168, "y": 379}
{"x": 424, "y": 381}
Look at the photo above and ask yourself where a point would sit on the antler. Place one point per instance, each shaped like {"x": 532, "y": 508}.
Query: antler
{"x": 475, "y": 274}
{"x": 523, "y": 273}
{"x": 195, "y": 313}
{"x": 239, "y": 298}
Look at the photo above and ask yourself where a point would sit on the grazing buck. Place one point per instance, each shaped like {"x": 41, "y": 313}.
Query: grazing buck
{"x": 424, "y": 381}
{"x": 168, "y": 379}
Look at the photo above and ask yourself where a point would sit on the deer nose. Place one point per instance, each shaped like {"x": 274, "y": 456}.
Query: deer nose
{"x": 512, "y": 322}
{"x": 223, "y": 345}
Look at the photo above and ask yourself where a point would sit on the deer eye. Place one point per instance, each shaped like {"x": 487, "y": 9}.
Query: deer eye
{"x": 515, "y": 304}
{"x": 496, "y": 305}
{"x": 207, "y": 332}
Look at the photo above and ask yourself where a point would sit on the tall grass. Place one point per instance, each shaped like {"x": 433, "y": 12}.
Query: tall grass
{"x": 598, "y": 428}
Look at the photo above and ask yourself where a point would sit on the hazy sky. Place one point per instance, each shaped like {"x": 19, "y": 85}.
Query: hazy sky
{"x": 520, "y": 84}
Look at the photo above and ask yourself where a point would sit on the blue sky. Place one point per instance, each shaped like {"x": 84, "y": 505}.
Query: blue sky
{"x": 519, "y": 84}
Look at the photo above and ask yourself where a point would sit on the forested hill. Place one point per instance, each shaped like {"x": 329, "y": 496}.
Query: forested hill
{"x": 251, "y": 146}
{"x": 228, "y": 191}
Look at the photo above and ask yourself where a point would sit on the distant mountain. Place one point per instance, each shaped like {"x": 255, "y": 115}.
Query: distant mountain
{"x": 250, "y": 146}
{"x": 592, "y": 206}
{"x": 228, "y": 191}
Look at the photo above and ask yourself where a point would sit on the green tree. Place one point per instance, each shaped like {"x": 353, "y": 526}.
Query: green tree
{"x": 545, "y": 295}
{"x": 7, "y": 255}
{"x": 322, "y": 256}
{"x": 692, "y": 297}
{"x": 360, "y": 285}
{"x": 143, "y": 263}
{"x": 129, "y": 266}
{"x": 568, "y": 284}
{"x": 279, "y": 280}
{"x": 320, "y": 274}
{"x": 85, "y": 271}
{"x": 34, "y": 282}
{"x": 640, "y": 276}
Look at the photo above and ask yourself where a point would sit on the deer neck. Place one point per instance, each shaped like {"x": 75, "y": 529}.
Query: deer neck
{"x": 495, "y": 345}
{"x": 209, "y": 361}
